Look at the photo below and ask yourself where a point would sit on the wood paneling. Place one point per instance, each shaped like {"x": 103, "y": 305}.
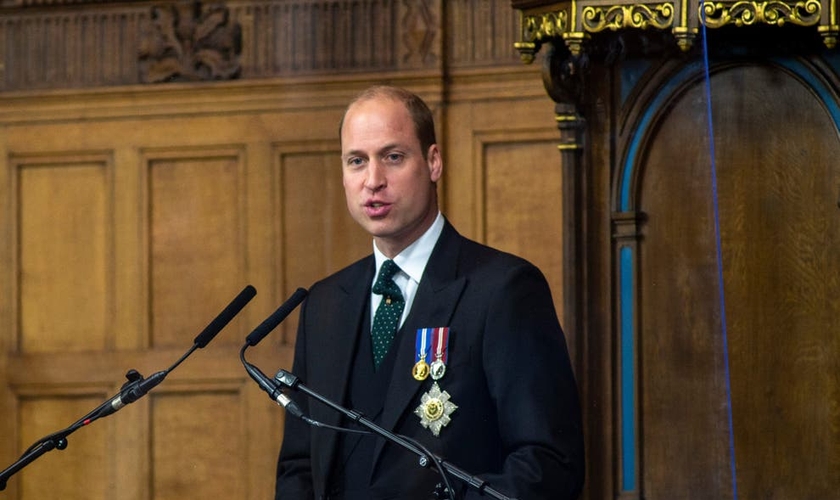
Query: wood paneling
{"x": 64, "y": 251}
{"x": 523, "y": 213}
{"x": 72, "y": 45}
{"x": 196, "y": 229}
{"x": 778, "y": 209}
{"x": 318, "y": 234}
{"x": 198, "y": 444}
{"x": 80, "y": 471}
{"x": 135, "y": 213}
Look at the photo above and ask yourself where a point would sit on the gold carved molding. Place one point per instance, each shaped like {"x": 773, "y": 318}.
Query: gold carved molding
{"x": 718, "y": 14}
{"x": 615, "y": 17}
{"x": 576, "y": 21}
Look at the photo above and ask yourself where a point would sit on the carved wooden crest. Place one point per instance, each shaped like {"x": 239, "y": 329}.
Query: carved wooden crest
{"x": 190, "y": 42}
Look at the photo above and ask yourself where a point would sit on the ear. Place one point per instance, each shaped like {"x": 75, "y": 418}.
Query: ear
{"x": 435, "y": 162}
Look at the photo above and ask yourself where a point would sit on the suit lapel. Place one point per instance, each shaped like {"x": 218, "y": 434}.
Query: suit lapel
{"x": 346, "y": 317}
{"x": 438, "y": 294}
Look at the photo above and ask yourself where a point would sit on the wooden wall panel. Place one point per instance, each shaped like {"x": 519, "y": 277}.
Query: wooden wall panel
{"x": 318, "y": 235}
{"x": 503, "y": 189}
{"x": 64, "y": 252}
{"x": 198, "y": 444}
{"x": 196, "y": 240}
{"x": 523, "y": 212}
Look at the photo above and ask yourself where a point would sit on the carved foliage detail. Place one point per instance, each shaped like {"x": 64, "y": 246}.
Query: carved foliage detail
{"x": 187, "y": 42}
{"x": 596, "y": 18}
{"x": 537, "y": 29}
{"x": 803, "y": 13}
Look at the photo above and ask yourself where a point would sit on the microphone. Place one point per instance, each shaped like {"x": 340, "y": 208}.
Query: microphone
{"x": 224, "y": 317}
{"x": 260, "y": 333}
{"x": 274, "y": 391}
{"x": 277, "y": 317}
{"x": 134, "y": 389}
{"x": 137, "y": 386}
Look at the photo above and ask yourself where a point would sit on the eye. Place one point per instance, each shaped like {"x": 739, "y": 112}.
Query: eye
{"x": 354, "y": 161}
{"x": 394, "y": 157}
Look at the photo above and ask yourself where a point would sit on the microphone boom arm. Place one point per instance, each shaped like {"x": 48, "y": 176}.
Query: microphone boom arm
{"x": 291, "y": 381}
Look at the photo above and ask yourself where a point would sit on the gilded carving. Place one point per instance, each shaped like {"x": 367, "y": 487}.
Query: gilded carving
{"x": 829, "y": 34}
{"x": 190, "y": 43}
{"x": 584, "y": 19}
{"x": 539, "y": 28}
{"x": 778, "y": 13}
{"x": 615, "y": 17}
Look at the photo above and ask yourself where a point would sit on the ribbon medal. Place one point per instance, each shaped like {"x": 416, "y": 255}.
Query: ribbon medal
{"x": 432, "y": 349}
{"x": 422, "y": 347}
{"x": 440, "y": 349}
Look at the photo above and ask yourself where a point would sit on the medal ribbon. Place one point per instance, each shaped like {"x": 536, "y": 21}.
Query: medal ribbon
{"x": 422, "y": 344}
{"x": 440, "y": 343}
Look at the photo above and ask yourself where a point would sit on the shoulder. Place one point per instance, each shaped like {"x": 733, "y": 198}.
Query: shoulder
{"x": 457, "y": 257}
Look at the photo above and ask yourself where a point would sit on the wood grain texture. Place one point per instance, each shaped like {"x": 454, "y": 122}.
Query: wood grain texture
{"x": 777, "y": 199}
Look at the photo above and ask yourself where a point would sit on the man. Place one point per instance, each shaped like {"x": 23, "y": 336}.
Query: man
{"x": 477, "y": 370}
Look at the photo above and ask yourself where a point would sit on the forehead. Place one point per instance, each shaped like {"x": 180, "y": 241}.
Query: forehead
{"x": 379, "y": 117}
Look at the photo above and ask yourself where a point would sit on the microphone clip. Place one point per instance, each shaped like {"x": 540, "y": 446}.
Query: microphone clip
{"x": 133, "y": 376}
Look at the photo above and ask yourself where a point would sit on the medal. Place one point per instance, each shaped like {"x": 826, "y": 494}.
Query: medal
{"x": 437, "y": 369}
{"x": 440, "y": 347}
{"x": 422, "y": 344}
{"x": 420, "y": 370}
{"x": 435, "y": 409}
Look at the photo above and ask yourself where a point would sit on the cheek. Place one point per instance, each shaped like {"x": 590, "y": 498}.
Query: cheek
{"x": 350, "y": 182}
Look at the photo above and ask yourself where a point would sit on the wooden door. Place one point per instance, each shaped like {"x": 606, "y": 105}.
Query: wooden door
{"x": 735, "y": 360}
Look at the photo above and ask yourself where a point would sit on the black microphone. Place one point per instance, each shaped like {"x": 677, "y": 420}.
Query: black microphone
{"x": 134, "y": 389}
{"x": 260, "y": 333}
{"x": 137, "y": 386}
{"x": 276, "y": 317}
{"x": 224, "y": 317}
{"x": 274, "y": 391}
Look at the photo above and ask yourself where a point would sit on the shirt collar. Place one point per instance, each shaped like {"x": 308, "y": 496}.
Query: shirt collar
{"x": 412, "y": 260}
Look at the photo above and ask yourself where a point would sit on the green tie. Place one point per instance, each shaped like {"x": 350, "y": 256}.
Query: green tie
{"x": 389, "y": 312}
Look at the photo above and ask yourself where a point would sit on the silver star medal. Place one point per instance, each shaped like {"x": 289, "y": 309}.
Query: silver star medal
{"x": 434, "y": 409}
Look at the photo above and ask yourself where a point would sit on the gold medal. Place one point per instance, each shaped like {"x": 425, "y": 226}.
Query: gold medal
{"x": 420, "y": 371}
{"x": 435, "y": 409}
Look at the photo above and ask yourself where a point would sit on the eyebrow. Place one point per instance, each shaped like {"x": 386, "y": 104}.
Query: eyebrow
{"x": 386, "y": 148}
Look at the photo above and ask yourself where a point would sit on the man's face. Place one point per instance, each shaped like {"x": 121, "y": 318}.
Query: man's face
{"x": 388, "y": 183}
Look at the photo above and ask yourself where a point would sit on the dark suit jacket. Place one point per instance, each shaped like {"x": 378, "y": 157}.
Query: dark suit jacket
{"x": 517, "y": 425}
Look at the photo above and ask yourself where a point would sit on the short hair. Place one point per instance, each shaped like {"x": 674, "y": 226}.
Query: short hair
{"x": 421, "y": 115}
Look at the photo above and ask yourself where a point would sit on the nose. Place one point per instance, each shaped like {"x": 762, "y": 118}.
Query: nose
{"x": 375, "y": 178}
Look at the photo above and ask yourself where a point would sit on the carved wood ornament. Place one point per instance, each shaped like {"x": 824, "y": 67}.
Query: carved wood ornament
{"x": 190, "y": 42}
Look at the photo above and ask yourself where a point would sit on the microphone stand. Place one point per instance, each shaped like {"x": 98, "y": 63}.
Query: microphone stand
{"x": 132, "y": 390}
{"x": 293, "y": 382}
{"x": 58, "y": 440}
